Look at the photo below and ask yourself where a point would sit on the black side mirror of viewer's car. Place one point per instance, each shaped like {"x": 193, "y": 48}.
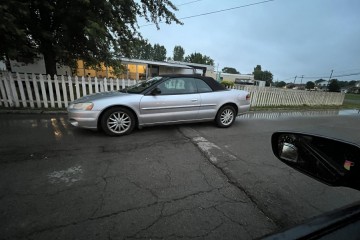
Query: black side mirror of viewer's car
{"x": 330, "y": 161}
{"x": 333, "y": 162}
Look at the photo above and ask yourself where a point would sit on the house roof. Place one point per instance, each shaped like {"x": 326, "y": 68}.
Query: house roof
{"x": 193, "y": 64}
{"x": 160, "y": 63}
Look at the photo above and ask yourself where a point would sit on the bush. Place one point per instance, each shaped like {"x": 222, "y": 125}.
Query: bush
{"x": 227, "y": 83}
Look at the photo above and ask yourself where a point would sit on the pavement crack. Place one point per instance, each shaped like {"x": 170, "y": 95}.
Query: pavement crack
{"x": 204, "y": 176}
{"x": 231, "y": 200}
{"x": 93, "y": 218}
{"x": 104, "y": 178}
{"x": 214, "y": 160}
{"x": 168, "y": 173}
{"x": 162, "y": 216}
{"x": 102, "y": 201}
{"x": 151, "y": 224}
{"x": 242, "y": 225}
{"x": 138, "y": 185}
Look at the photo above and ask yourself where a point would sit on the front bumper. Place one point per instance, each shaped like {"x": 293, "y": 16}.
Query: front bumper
{"x": 83, "y": 119}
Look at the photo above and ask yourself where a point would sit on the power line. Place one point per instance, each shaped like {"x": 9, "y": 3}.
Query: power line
{"x": 324, "y": 77}
{"x": 346, "y": 75}
{"x": 228, "y": 9}
{"x": 188, "y": 3}
{"x": 341, "y": 75}
{"x": 348, "y": 70}
{"x": 218, "y": 11}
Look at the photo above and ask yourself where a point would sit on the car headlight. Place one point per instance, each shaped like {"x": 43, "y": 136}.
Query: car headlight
{"x": 82, "y": 106}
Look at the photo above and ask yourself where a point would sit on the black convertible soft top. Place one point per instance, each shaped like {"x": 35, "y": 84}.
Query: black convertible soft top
{"x": 215, "y": 86}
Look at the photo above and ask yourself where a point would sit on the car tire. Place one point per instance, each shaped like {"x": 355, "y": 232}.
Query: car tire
{"x": 117, "y": 121}
{"x": 225, "y": 116}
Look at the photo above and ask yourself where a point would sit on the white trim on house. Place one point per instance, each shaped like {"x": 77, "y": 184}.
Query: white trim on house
{"x": 150, "y": 62}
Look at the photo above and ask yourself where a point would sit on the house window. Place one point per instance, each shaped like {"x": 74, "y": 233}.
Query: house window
{"x": 136, "y": 71}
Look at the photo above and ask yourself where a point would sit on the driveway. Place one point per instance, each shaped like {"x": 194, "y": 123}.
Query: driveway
{"x": 188, "y": 181}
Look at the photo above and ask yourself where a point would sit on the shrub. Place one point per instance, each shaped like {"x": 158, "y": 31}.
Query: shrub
{"x": 227, "y": 83}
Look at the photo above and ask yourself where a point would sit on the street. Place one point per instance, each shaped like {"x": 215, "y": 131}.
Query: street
{"x": 165, "y": 182}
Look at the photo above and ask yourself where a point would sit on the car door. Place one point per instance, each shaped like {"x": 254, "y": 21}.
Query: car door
{"x": 178, "y": 101}
{"x": 209, "y": 100}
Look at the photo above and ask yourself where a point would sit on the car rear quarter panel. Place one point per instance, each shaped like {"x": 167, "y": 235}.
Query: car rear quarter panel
{"x": 211, "y": 102}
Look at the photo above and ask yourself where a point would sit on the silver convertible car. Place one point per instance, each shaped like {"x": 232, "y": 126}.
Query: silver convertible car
{"x": 164, "y": 99}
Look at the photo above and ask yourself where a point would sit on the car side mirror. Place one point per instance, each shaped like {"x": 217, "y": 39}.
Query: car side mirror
{"x": 156, "y": 91}
{"x": 334, "y": 162}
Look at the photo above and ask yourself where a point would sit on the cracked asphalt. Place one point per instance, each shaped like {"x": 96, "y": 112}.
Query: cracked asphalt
{"x": 191, "y": 181}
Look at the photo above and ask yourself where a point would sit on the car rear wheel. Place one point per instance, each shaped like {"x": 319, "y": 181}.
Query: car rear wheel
{"x": 118, "y": 121}
{"x": 226, "y": 116}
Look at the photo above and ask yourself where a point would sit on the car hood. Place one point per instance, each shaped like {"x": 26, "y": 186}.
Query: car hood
{"x": 99, "y": 96}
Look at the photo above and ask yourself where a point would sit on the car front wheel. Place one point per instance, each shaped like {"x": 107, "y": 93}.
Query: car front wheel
{"x": 118, "y": 121}
{"x": 226, "y": 116}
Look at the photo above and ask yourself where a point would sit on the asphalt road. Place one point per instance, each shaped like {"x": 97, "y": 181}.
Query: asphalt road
{"x": 189, "y": 181}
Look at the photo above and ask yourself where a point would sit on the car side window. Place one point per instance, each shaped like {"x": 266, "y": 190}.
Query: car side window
{"x": 178, "y": 86}
{"x": 202, "y": 86}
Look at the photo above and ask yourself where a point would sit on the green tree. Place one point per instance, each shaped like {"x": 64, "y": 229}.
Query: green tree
{"x": 63, "y": 31}
{"x": 268, "y": 77}
{"x": 310, "y": 85}
{"x": 179, "y": 53}
{"x": 258, "y": 73}
{"x": 199, "y": 58}
{"x": 14, "y": 42}
{"x": 230, "y": 70}
{"x": 141, "y": 49}
{"x": 334, "y": 86}
{"x": 352, "y": 83}
{"x": 159, "y": 53}
{"x": 263, "y": 75}
{"x": 280, "y": 84}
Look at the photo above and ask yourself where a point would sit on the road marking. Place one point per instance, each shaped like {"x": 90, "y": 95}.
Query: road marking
{"x": 206, "y": 147}
{"x": 68, "y": 176}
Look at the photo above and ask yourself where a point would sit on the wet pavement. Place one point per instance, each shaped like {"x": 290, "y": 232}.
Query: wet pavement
{"x": 188, "y": 181}
{"x": 289, "y": 114}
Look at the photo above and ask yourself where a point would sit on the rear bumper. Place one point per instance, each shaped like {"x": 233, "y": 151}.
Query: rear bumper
{"x": 243, "y": 109}
{"x": 83, "y": 119}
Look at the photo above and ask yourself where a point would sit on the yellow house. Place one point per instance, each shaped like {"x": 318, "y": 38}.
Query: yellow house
{"x": 136, "y": 69}
{"x": 133, "y": 71}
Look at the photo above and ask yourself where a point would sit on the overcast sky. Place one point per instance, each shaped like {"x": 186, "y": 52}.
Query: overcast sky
{"x": 287, "y": 37}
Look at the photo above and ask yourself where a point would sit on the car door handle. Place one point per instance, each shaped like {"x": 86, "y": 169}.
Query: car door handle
{"x": 194, "y": 100}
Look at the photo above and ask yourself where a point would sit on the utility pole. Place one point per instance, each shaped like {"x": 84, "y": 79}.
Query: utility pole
{"x": 217, "y": 73}
{"x": 295, "y": 79}
{"x": 301, "y": 79}
{"x": 329, "y": 79}
{"x": 331, "y": 75}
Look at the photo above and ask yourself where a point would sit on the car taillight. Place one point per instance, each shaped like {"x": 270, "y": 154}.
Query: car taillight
{"x": 248, "y": 97}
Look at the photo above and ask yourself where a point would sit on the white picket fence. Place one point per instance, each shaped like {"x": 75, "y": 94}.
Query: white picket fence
{"x": 38, "y": 91}
{"x": 265, "y": 96}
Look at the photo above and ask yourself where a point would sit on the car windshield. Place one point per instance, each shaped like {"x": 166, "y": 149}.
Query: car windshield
{"x": 141, "y": 86}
